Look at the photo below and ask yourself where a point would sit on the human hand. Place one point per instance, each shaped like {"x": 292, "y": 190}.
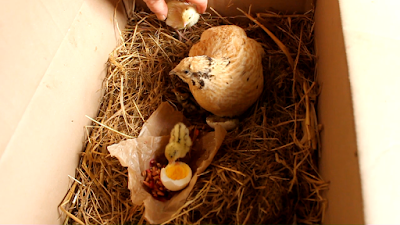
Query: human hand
{"x": 159, "y": 7}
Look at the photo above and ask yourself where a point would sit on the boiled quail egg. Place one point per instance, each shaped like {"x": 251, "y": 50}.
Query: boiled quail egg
{"x": 176, "y": 176}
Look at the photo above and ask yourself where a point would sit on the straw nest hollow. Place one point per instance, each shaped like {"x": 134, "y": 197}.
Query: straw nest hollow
{"x": 266, "y": 169}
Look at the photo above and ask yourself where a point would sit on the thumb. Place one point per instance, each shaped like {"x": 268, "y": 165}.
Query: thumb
{"x": 159, "y": 7}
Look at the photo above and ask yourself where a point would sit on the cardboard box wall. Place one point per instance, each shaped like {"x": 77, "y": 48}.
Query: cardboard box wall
{"x": 51, "y": 77}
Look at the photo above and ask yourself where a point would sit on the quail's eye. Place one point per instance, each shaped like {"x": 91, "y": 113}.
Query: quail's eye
{"x": 190, "y": 17}
{"x": 186, "y": 71}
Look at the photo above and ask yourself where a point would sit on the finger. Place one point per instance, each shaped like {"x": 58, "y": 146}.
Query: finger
{"x": 200, "y": 4}
{"x": 159, "y": 7}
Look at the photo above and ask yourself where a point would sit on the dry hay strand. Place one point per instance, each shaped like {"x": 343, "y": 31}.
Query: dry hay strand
{"x": 266, "y": 170}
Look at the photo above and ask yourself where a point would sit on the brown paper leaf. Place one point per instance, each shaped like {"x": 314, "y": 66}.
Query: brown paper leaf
{"x": 162, "y": 121}
{"x": 154, "y": 136}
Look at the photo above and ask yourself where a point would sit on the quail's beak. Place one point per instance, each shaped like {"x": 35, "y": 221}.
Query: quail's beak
{"x": 172, "y": 73}
{"x": 185, "y": 23}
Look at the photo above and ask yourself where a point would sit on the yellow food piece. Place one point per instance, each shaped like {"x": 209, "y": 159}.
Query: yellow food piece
{"x": 179, "y": 143}
{"x": 177, "y": 171}
{"x": 176, "y": 176}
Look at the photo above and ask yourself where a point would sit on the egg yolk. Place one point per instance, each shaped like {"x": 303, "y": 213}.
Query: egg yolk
{"x": 176, "y": 172}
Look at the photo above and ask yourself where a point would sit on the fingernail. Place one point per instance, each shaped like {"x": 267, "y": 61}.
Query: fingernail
{"x": 161, "y": 17}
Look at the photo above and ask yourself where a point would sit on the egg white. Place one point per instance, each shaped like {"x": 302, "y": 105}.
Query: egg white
{"x": 175, "y": 185}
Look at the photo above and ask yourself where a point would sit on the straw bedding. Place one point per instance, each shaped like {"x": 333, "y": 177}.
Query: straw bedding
{"x": 266, "y": 169}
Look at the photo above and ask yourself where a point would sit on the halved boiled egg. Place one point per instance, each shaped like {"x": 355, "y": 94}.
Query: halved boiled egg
{"x": 176, "y": 176}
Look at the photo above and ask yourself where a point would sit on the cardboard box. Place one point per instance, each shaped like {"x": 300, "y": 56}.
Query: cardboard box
{"x": 53, "y": 63}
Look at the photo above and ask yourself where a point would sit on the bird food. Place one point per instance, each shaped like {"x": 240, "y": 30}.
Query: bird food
{"x": 265, "y": 171}
{"x": 155, "y": 147}
{"x": 176, "y": 176}
{"x": 153, "y": 182}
